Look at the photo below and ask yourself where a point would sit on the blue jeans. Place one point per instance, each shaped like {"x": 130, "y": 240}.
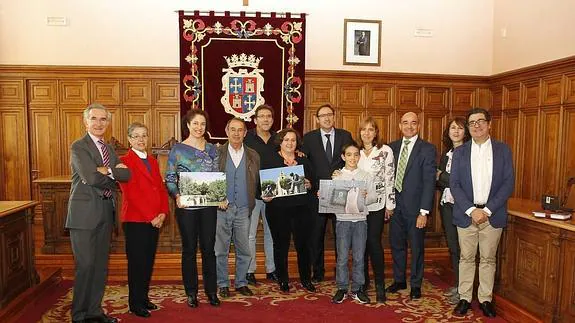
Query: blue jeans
{"x": 234, "y": 222}
{"x": 260, "y": 211}
{"x": 354, "y": 235}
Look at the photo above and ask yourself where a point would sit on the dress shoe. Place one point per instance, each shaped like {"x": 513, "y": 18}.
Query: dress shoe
{"x": 251, "y": 278}
{"x": 415, "y": 293}
{"x": 462, "y": 307}
{"x": 284, "y": 286}
{"x": 103, "y": 319}
{"x": 395, "y": 287}
{"x": 380, "y": 294}
{"x": 150, "y": 306}
{"x": 141, "y": 312}
{"x": 273, "y": 276}
{"x": 488, "y": 309}
{"x": 193, "y": 300}
{"x": 317, "y": 279}
{"x": 224, "y": 292}
{"x": 245, "y": 290}
{"x": 213, "y": 300}
{"x": 308, "y": 285}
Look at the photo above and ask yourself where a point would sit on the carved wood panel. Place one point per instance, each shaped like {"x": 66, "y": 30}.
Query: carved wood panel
{"x": 496, "y": 125}
{"x": 167, "y": 93}
{"x": 551, "y": 143}
{"x": 483, "y": 98}
{"x": 385, "y": 119}
{"x": 72, "y": 129}
{"x": 530, "y": 94}
{"x": 136, "y": 93}
{"x": 73, "y": 92}
{"x": 134, "y": 114}
{"x": 105, "y": 91}
{"x": 432, "y": 127}
{"x": 463, "y": 99}
{"x": 380, "y": 96}
{"x": 529, "y": 134}
{"x": 409, "y": 97}
{"x": 166, "y": 125}
{"x": 510, "y": 135}
{"x": 42, "y": 92}
{"x": 551, "y": 90}
{"x": 15, "y": 183}
{"x": 569, "y": 80}
{"x": 318, "y": 93}
{"x": 568, "y": 156}
{"x": 567, "y": 288}
{"x": 351, "y": 95}
{"x": 11, "y": 92}
{"x": 349, "y": 120}
{"x": 497, "y": 93}
{"x": 511, "y": 96}
{"x": 436, "y": 98}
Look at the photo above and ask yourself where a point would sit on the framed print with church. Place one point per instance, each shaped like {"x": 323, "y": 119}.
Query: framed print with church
{"x": 362, "y": 42}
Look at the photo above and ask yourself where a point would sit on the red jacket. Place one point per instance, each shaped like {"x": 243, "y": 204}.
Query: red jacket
{"x": 144, "y": 196}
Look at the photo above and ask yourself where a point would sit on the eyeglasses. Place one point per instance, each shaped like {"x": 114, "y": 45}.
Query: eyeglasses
{"x": 325, "y": 115}
{"x": 139, "y": 137}
{"x": 477, "y": 123}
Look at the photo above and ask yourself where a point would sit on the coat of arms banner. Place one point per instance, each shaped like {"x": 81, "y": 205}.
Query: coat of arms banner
{"x": 231, "y": 64}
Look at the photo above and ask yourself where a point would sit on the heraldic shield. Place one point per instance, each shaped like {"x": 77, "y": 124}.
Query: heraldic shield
{"x": 242, "y": 89}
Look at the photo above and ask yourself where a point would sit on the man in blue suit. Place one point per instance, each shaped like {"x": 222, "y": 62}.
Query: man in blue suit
{"x": 481, "y": 181}
{"x": 414, "y": 192}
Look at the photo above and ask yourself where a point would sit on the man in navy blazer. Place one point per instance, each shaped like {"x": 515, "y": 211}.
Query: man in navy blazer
{"x": 414, "y": 191}
{"x": 323, "y": 148}
{"x": 482, "y": 179}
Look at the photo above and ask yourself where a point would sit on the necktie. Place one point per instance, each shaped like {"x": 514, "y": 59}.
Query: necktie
{"x": 401, "y": 166}
{"x": 328, "y": 152}
{"x": 106, "y": 159}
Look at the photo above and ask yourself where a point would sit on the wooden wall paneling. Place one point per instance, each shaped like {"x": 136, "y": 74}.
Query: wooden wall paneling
{"x": 310, "y": 121}
{"x": 432, "y": 126}
{"x": 549, "y": 162}
{"x": 318, "y": 93}
{"x": 142, "y": 114}
{"x": 436, "y": 98}
{"x": 511, "y": 96}
{"x": 72, "y": 128}
{"x": 569, "y": 88}
{"x": 567, "y": 154}
{"x": 15, "y": 183}
{"x": 566, "y": 302}
{"x": 349, "y": 120}
{"x": 463, "y": 98}
{"x": 73, "y": 92}
{"x": 409, "y": 97}
{"x": 497, "y": 94}
{"x": 385, "y": 120}
{"x": 351, "y": 95}
{"x": 510, "y": 135}
{"x": 118, "y": 127}
{"x": 484, "y": 98}
{"x": 530, "y": 93}
{"x": 136, "y": 92}
{"x": 496, "y": 124}
{"x": 380, "y": 96}
{"x": 551, "y": 90}
{"x": 529, "y": 150}
{"x": 12, "y": 92}
{"x": 43, "y": 92}
{"x": 105, "y": 91}
{"x": 166, "y": 92}
{"x": 167, "y": 124}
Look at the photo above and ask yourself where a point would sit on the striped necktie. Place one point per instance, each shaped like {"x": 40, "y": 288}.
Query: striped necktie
{"x": 106, "y": 159}
{"x": 401, "y": 166}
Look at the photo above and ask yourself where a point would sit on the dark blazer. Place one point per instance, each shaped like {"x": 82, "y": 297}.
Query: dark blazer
{"x": 502, "y": 184}
{"x": 419, "y": 177}
{"x": 443, "y": 180}
{"x": 314, "y": 149}
{"x": 144, "y": 196}
{"x": 86, "y": 207}
{"x": 252, "y": 166}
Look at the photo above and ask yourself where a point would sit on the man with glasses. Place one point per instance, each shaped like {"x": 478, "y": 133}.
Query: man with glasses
{"x": 481, "y": 182}
{"x": 261, "y": 139}
{"x": 323, "y": 148}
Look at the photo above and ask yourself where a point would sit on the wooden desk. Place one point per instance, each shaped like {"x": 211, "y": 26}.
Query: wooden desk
{"x": 17, "y": 270}
{"x": 537, "y": 263}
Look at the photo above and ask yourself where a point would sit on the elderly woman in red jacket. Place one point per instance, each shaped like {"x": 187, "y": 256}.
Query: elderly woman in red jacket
{"x": 144, "y": 209}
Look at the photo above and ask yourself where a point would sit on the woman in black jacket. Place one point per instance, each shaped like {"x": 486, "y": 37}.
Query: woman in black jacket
{"x": 290, "y": 214}
{"x": 454, "y": 136}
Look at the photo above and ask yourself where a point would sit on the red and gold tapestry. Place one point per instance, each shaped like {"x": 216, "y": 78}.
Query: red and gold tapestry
{"x": 231, "y": 64}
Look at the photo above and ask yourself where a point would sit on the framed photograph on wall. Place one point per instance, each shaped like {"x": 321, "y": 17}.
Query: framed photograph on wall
{"x": 362, "y": 42}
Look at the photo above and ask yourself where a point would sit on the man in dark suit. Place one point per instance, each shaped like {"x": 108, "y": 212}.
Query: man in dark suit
{"x": 482, "y": 179}
{"x": 91, "y": 208}
{"x": 414, "y": 192}
{"x": 323, "y": 148}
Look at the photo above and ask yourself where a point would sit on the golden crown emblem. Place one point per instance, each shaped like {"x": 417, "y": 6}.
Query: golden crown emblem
{"x": 243, "y": 60}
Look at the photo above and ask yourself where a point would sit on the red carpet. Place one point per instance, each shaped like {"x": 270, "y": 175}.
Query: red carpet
{"x": 267, "y": 305}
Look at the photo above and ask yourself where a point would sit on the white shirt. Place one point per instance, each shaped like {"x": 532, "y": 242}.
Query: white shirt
{"x": 379, "y": 164}
{"x": 141, "y": 154}
{"x": 357, "y": 174}
{"x": 331, "y": 138}
{"x": 481, "y": 172}
{"x": 236, "y": 155}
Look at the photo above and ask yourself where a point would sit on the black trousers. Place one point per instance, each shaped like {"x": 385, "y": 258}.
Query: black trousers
{"x": 317, "y": 238}
{"x": 446, "y": 211}
{"x": 141, "y": 244}
{"x": 374, "y": 248}
{"x": 283, "y": 222}
{"x": 194, "y": 225}
{"x": 402, "y": 228}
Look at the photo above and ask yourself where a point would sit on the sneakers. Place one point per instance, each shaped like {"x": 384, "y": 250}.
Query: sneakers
{"x": 339, "y": 296}
{"x": 360, "y": 296}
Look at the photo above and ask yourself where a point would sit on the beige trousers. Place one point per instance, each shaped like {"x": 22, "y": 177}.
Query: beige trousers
{"x": 487, "y": 237}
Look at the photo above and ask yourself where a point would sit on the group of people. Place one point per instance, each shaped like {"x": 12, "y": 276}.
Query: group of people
{"x": 475, "y": 178}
